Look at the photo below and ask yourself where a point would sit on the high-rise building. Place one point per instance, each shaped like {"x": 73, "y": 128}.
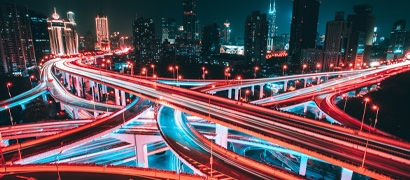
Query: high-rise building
{"x": 210, "y": 40}
{"x": 303, "y": 28}
{"x": 89, "y": 41}
{"x": 398, "y": 38}
{"x": 41, "y": 41}
{"x": 16, "y": 47}
{"x": 360, "y": 43}
{"x": 227, "y": 33}
{"x": 146, "y": 45}
{"x": 169, "y": 30}
{"x": 256, "y": 35}
{"x": 336, "y": 42}
{"x": 190, "y": 22}
{"x": 272, "y": 32}
{"x": 101, "y": 27}
{"x": 63, "y": 34}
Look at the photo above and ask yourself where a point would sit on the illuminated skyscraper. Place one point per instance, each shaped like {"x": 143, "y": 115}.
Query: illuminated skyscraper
{"x": 227, "y": 32}
{"x": 16, "y": 42}
{"x": 169, "y": 30}
{"x": 41, "y": 41}
{"x": 256, "y": 33}
{"x": 272, "y": 32}
{"x": 101, "y": 27}
{"x": 303, "y": 28}
{"x": 63, "y": 35}
{"x": 398, "y": 38}
{"x": 190, "y": 22}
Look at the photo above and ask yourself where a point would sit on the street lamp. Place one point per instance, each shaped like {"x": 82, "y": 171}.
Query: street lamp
{"x": 8, "y": 88}
{"x": 366, "y": 100}
{"x": 109, "y": 62}
{"x": 153, "y": 69}
{"x": 31, "y": 81}
{"x": 283, "y": 69}
{"x": 303, "y": 68}
{"x": 246, "y": 94}
{"x": 177, "y": 68}
{"x": 240, "y": 95}
{"x": 317, "y": 67}
{"x": 377, "y": 114}
{"x": 331, "y": 67}
{"x": 203, "y": 73}
{"x": 227, "y": 74}
{"x": 256, "y": 68}
{"x": 172, "y": 69}
{"x": 344, "y": 97}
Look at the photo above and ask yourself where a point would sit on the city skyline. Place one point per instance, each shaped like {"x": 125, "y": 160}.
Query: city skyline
{"x": 121, "y": 13}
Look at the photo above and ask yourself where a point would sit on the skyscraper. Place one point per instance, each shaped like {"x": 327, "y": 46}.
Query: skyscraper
{"x": 256, "y": 33}
{"x": 169, "y": 30}
{"x": 210, "y": 40}
{"x": 397, "y": 39}
{"x": 16, "y": 46}
{"x": 101, "y": 27}
{"x": 227, "y": 32}
{"x": 360, "y": 43}
{"x": 303, "y": 28}
{"x": 336, "y": 42}
{"x": 272, "y": 32}
{"x": 41, "y": 41}
{"x": 190, "y": 22}
{"x": 63, "y": 35}
{"x": 146, "y": 45}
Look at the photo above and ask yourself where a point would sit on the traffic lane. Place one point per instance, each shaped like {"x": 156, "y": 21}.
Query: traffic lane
{"x": 69, "y": 138}
{"x": 71, "y": 176}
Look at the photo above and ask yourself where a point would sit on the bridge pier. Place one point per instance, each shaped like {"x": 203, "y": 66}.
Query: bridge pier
{"x": 67, "y": 79}
{"x": 230, "y": 93}
{"x": 346, "y": 174}
{"x": 303, "y": 165}
{"x": 117, "y": 97}
{"x": 23, "y": 107}
{"x": 253, "y": 90}
{"x": 318, "y": 80}
{"x": 305, "y": 106}
{"x": 75, "y": 113}
{"x": 261, "y": 91}
{"x": 77, "y": 86}
{"x": 61, "y": 106}
{"x": 63, "y": 77}
{"x": 123, "y": 102}
{"x": 236, "y": 94}
{"x": 285, "y": 86}
{"x": 304, "y": 82}
{"x": 221, "y": 135}
{"x": 44, "y": 96}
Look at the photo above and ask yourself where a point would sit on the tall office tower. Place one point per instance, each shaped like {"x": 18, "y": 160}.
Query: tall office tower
{"x": 272, "y": 32}
{"x": 337, "y": 38}
{"x": 41, "y": 41}
{"x": 169, "y": 30}
{"x": 146, "y": 45}
{"x": 89, "y": 42}
{"x": 256, "y": 35}
{"x": 398, "y": 39}
{"x": 211, "y": 43}
{"x": 374, "y": 39}
{"x": 360, "y": 43}
{"x": 303, "y": 28}
{"x": 16, "y": 46}
{"x": 101, "y": 27}
{"x": 190, "y": 22}
{"x": 226, "y": 33}
{"x": 63, "y": 35}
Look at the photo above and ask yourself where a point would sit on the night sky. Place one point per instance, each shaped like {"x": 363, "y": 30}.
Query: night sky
{"x": 121, "y": 13}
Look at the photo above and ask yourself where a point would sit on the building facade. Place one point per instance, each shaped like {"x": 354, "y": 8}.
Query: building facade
{"x": 146, "y": 45}
{"x": 169, "y": 30}
{"x": 63, "y": 35}
{"x": 101, "y": 28}
{"x": 398, "y": 38}
{"x": 272, "y": 32}
{"x": 256, "y": 35}
{"x": 190, "y": 22}
{"x": 41, "y": 41}
{"x": 360, "y": 43}
{"x": 303, "y": 28}
{"x": 336, "y": 42}
{"x": 16, "y": 47}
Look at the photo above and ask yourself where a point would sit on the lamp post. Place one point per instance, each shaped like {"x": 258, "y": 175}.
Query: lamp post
{"x": 144, "y": 71}
{"x": 246, "y": 95}
{"x": 303, "y": 68}
{"x": 172, "y": 69}
{"x": 109, "y": 62}
{"x": 256, "y": 68}
{"x": 8, "y": 88}
{"x": 177, "y": 68}
{"x": 344, "y": 97}
{"x": 331, "y": 67}
{"x": 31, "y": 81}
{"x": 283, "y": 69}
{"x": 317, "y": 67}
{"x": 240, "y": 95}
{"x": 227, "y": 74}
{"x": 377, "y": 114}
{"x": 366, "y": 100}
{"x": 153, "y": 69}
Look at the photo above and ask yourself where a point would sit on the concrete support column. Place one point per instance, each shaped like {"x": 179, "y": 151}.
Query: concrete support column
{"x": 95, "y": 114}
{"x": 23, "y": 106}
{"x": 229, "y": 93}
{"x": 97, "y": 91}
{"x": 44, "y": 96}
{"x": 222, "y": 135}
{"x": 304, "y": 82}
{"x": 67, "y": 76}
{"x": 346, "y": 174}
{"x": 318, "y": 80}
{"x": 75, "y": 113}
{"x": 303, "y": 165}
{"x": 236, "y": 94}
{"x": 63, "y": 77}
{"x": 305, "y": 106}
{"x": 92, "y": 89}
{"x": 141, "y": 154}
{"x": 261, "y": 91}
{"x": 123, "y": 102}
{"x": 117, "y": 97}
{"x": 285, "y": 86}
{"x": 320, "y": 114}
{"x": 253, "y": 90}
{"x": 77, "y": 86}
{"x": 61, "y": 106}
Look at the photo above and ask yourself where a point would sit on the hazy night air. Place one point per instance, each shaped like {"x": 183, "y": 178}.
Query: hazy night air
{"x": 121, "y": 13}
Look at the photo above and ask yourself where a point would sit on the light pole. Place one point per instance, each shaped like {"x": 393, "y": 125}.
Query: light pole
{"x": 303, "y": 68}
{"x": 246, "y": 95}
{"x": 317, "y": 67}
{"x": 31, "y": 81}
{"x": 8, "y": 88}
{"x": 211, "y": 160}
{"x": 331, "y": 67}
{"x": 227, "y": 74}
{"x": 240, "y": 95}
{"x": 153, "y": 69}
{"x": 172, "y": 69}
{"x": 377, "y": 114}
{"x": 109, "y": 62}
{"x": 344, "y": 97}
{"x": 177, "y": 68}
{"x": 283, "y": 69}
{"x": 58, "y": 160}
{"x": 366, "y": 100}
{"x": 256, "y": 68}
